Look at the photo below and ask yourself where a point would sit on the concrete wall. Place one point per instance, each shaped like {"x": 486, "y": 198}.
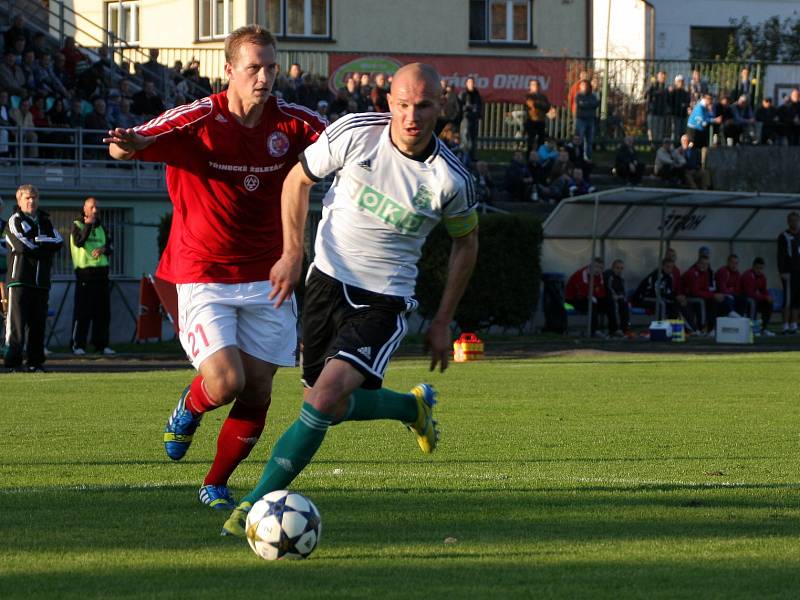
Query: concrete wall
{"x": 754, "y": 168}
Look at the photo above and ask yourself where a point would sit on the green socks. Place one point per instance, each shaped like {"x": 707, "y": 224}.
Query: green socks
{"x": 292, "y": 452}
{"x": 370, "y": 405}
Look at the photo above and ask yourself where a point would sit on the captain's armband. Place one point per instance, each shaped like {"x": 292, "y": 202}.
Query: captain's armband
{"x": 461, "y": 225}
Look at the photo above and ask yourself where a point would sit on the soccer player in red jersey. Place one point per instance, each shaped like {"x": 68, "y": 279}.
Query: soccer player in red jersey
{"x": 227, "y": 156}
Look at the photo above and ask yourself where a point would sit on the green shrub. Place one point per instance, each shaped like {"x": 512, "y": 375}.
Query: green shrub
{"x": 504, "y": 288}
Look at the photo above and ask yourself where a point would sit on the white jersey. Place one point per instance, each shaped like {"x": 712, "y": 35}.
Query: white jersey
{"x": 383, "y": 204}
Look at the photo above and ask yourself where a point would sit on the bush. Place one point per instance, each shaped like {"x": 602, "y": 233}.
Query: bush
{"x": 504, "y": 288}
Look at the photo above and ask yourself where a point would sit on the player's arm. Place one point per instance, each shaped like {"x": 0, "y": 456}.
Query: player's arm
{"x": 463, "y": 255}
{"x": 124, "y": 143}
{"x": 294, "y": 208}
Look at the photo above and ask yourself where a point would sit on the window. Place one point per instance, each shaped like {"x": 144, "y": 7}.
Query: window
{"x": 123, "y": 24}
{"x": 114, "y": 220}
{"x": 295, "y": 18}
{"x": 500, "y": 21}
{"x": 708, "y": 43}
{"x": 215, "y": 19}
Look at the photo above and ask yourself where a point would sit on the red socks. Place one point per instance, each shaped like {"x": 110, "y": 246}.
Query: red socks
{"x": 198, "y": 401}
{"x": 238, "y": 435}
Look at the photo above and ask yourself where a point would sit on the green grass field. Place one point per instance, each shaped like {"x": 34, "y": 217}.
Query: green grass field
{"x": 576, "y": 476}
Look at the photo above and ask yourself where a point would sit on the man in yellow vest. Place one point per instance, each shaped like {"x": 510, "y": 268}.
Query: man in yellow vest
{"x": 90, "y": 246}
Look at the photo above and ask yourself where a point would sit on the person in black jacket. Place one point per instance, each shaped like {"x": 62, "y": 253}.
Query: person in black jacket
{"x": 619, "y": 317}
{"x": 646, "y": 295}
{"x": 536, "y": 106}
{"x": 657, "y": 98}
{"x": 586, "y": 104}
{"x": 789, "y": 268}
{"x": 627, "y": 165}
{"x": 679, "y": 101}
{"x": 34, "y": 241}
{"x": 472, "y": 111}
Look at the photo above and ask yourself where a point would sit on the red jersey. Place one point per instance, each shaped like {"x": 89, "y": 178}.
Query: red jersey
{"x": 225, "y": 183}
{"x": 755, "y": 286}
{"x": 729, "y": 282}
{"x": 698, "y": 283}
{"x": 578, "y": 286}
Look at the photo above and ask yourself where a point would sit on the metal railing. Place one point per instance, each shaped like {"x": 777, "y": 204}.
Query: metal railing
{"x": 56, "y": 157}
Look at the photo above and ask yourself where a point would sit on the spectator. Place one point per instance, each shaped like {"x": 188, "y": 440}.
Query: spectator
{"x": 12, "y": 77}
{"x": 789, "y": 113}
{"x": 146, "y": 102}
{"x": 154, "y": 70}
{"x": 378, "y": 95}
{"x": 97, "y": 126}
{"x": 5, "y": 121}
{"x": 47, "y": 79}
{"x": 125, "y": 90}
{"x": 39, "y": 45}
{"x": 694, "y": 173}
{"x": 471, "y": 106}
{"x": 583, "y": 75}
{"x": 23, "y": 118}
{"x": 548, "y": 153}
{"x": 76, "y": 114}
{"x": 586, "y": 104}
{"x": 577, "y": 293}
{"x": 34, "y": 242}
{"x": 578, "y": 185}
{"x": 698, "y": 87}
{"x": 577, "y": 155}
{"x": 91, "y": 83}
{"x": 352, "y": 94}
{"x": 670, "y": 164}
{"x": 729, "y": 282}
{"x": 16, "y": 31}
{"x": 28, "y": 66}
{"x": 627, "y": 165}
{"x": 756, "y": 295}
{"x": 90, "y": 245}
{"x": 746, "y": 87}
{"x": 619, "y": 320}
{"x": 723, "y": 111}
{"x": 537, "y": 173}
{"x": 742, "y": 126}
{"x": 518, "y": 178}
{"x": 789, "y": 268}
{"x": 125, "y": 118}
{"x": 769, "y": 121}
{"x": 657, "y": 98}
{"x": 537, "y": 105}
{"x": 112, "y": 105}
{"x": 677, "y": 282}
{"x": 484, "y": 184}
{"x": 703, "y": 297}
{"x": 679, "y": 100}
{"x": 58, "y": 117}
{"x": 656, "y": 294}
{"x": 73, "y": 57}
{"x": 450, "y": 112}
{"x": 61, "y": 73}
{"x": 700, "y": 119}
{"x": 18, "y": 49}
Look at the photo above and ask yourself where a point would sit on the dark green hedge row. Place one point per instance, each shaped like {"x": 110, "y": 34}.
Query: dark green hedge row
{"x": 504, "y": 289}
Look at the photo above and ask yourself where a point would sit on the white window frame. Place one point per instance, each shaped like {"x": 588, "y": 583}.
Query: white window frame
{"x": 509, "y": 39}
{"x": 227, "y": 12}
{"x": 275, "y": 29}
{"x": 307, "y": 21}
{"x": 113, "y": 12}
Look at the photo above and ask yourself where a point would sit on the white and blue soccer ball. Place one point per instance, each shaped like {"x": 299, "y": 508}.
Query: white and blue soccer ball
{"x": 283, "y": 524}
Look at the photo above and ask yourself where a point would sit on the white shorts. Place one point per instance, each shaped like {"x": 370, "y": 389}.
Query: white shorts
{"x": 212, "y": 316}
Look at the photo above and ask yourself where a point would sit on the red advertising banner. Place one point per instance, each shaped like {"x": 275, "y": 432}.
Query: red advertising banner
{"x": 499, "y": 79}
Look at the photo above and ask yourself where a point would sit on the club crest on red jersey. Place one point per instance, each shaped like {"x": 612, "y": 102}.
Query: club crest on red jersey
{"x": 277, "y": 144}
{"x": 251, "y": 182}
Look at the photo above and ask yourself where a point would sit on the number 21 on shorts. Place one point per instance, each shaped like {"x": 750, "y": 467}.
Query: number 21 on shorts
{"x": 192, "y": 337}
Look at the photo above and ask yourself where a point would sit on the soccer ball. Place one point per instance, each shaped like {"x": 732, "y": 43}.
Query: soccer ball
{"x": 283, "y": 524}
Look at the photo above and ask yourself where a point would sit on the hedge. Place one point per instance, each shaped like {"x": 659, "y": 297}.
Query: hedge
{"x": 504, "y": 289}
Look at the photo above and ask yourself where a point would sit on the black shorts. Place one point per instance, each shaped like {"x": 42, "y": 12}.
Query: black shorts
{"x": 360, "y": 327}
{"x": 791, "y": 290}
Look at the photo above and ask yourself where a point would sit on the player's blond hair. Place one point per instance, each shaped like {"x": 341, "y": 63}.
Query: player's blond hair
{"x": 249, "y": 34}
{"x": 27, "y": 188}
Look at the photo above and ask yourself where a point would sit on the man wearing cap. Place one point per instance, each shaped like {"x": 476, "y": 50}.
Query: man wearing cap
{"x": 679, "y": 101}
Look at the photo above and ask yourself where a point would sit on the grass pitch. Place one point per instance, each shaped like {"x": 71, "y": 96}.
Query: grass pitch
{"x": 597, "y": 476}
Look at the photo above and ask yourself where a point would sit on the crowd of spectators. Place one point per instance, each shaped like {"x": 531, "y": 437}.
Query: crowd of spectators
{"x": 44, "y": 86}
{"x": 698, "y": 296}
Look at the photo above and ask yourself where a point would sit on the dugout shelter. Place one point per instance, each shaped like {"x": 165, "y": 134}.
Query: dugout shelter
{"x": 638, "y": 224}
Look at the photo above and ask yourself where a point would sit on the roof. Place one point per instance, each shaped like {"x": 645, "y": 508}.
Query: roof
{"x": 637, "y": 213}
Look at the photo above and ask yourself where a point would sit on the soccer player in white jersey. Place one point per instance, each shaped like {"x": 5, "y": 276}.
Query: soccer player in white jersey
{"x": 394, "y": 181}
{"x": 227, "y": 156}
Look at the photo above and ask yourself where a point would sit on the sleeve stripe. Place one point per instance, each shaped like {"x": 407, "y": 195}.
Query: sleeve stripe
{"x": 354, "y": 126}
{"x": 12, "y": 225}
{"x": 307, "y": 170}
{"x": 176, "y": 118}
{"x": 459, "y": 169}
{"x": 350, "y": 118}
{"x": 336, "y": 129}
{"x": 311, "y": 118}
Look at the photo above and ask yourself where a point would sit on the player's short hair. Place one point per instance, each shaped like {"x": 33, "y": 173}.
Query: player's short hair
{"x": 758, "y": 261}
{"x": 730, "y": 256}
{"x": 249, "y": 34}
{"x": 793, "y": 214}
{"x": 27, "y": 188}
